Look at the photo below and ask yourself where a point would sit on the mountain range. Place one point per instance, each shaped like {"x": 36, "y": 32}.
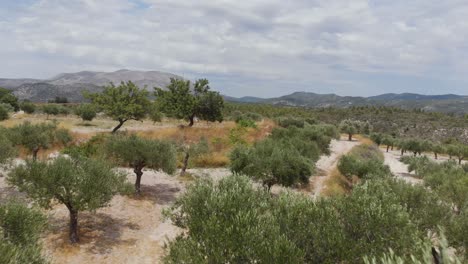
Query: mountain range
{"x": 71, "y": 85}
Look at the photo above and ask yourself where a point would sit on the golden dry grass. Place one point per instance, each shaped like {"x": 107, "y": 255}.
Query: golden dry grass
{"x": 336, "y": 184}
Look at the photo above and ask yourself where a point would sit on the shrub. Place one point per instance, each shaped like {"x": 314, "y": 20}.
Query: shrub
{"x": 87, "y": 112}
{"x": 50, "y": 109}
{"x": 28, "y": 107}
{"x": 3, "y": 113}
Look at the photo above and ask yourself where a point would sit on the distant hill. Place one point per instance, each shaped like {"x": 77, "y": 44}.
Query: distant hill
{"x": 71, "y": 85}
{"x": 447, "y": 103}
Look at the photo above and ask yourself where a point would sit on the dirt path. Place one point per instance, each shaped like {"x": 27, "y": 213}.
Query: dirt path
{"x": 327, "y": 163}
{"x": 398, "y": 168}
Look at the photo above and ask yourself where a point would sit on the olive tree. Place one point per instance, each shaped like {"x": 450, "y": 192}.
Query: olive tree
{"x": 141, "y": 153}
{"x": 180, "y": 101}
{"x": 20, "y": 229}
{"x": 87, "y": 112}
{"x": 7, "y": 97}
{"x": 28, "y": 107}
{"x": 191, "y": 151}
{"x": 272, "y": 162}
{"x": 458, "y": 150}
{"x": 78, "y": 183}
{"x": 121, "y": 103}
{"x": 228, "y": 222}
{"x": 389, "y": 141}
{"x": 352, "y": 127}
{"x": 35, "y": 137}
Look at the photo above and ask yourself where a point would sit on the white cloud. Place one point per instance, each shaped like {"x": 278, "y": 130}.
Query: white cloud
{"x": 273, "y": 43}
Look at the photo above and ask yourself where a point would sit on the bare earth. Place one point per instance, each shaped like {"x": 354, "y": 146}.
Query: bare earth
{"x": 398, "y": 168}
{"x": 327, "y": 163}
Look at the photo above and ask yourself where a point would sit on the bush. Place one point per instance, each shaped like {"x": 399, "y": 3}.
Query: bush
{"x": 290, "y": 122}
{"x": 20, "y": 228}
{"x": 3, "y": 113}
{"x": 229, "y": 222}
{"x": 87, "y": 112}
{"x": 50, "y": 109}
{"x": 28, "y": 107}
{"x": 365, "y": 162}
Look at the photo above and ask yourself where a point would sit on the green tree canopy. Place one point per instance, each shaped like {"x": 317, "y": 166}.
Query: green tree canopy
{"x": 179, "y": 101}
{"x": 7, "y": 97}
{"x": 122, "y": 103}
{"x": 87, "y": 112}
{"x": 141, "y": 153}
{"x": 28, "y": 107}
{"x": 78, "y": 183}
{"x": 35, "y": 137}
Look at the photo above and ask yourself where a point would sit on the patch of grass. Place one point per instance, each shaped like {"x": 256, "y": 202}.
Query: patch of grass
{"x": 336, "y": 184}
{"x": 212, "y": 160}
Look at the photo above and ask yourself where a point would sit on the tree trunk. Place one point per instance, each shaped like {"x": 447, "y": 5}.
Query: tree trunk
{"x": 121, "y": 122}
{"x": 73, "y": 225}
{"x": 392, "y": 147}
{"x": 402, "y": 151}
{"x": 459, "y": 161}
{"x": 415, "y": 153}
{"x": 191, "y": 119}
{"x": 139, "y": 172}
{"x": 34, "y": 154}
{"x": 388, "y": 146}
{"x": 350, "y": 137}
{"x": 435, "y": 155}
{"x": 184, "y": 167}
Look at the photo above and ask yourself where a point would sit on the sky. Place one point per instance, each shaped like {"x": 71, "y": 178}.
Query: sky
{"x": 260, "y": 48}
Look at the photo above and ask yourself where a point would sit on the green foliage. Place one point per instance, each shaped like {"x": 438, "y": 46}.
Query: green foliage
{"x": 192, "y": 151}
{"x": 50, "y": 109}
{"x": 365, "y": 162}
{"x": 20, "y": 228}
{"x": 458, "y": 150}
{"x": 179, "y": 101}
{"x": 28, "y": 107}
{"x": 93, "y": 148}
{"x": 272, "y": 162}
{"x": 35, "y": 137}
{"x": 155, "y": 113}
{"x": 139, "y": 153}
{"x": 59, "y": 100}
{"x": 352, "y": 127}
{"x": 121, "y": 103}
{"x": 3, "y": 113}
{"x": 7, "y": 149}
{"x": 247, "y": 123}
{"x": 87, "y": 112}
{"x": 7, "y": 97}
{"x": 377, "y": 138}
{"x": 229, "y": 222}
{"x": 78, "y": 183}
{"x": 233, "y": 222}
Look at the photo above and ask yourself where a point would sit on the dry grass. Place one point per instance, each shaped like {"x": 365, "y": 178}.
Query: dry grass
{"x": 336, "y": 184}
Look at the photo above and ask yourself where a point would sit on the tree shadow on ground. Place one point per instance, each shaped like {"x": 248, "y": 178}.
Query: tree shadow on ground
{"x": 161, "y": 194}
{"x": 99, "y": 232}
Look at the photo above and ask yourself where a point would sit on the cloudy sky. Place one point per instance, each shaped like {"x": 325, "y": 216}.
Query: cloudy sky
{"x": 247, "y": 47}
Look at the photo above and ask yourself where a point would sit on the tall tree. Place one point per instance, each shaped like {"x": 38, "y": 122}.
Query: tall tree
{"x": 179, "y": 101}
{"x": 121, "y": 103}
{"x": 78, "y": 183}
{"x": 142, "y": 153}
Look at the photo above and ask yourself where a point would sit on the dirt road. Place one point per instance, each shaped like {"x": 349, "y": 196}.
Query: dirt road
{"x": 327, "y": 163}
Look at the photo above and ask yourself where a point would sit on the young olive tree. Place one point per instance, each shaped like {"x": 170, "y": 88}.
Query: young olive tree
{"x": 272, "y": 162}
{"x": 352, "y": 127}
{"x": 141, "y": 153}
{"x": 389, "y": 141}
{"x": 122, "y": 103}
{"x": 7, "y": 97}
{"x": 191, "y": 151}
{"x": 28, "y": 107}
{"x": 180, "y": 101}
{"x": 79, "y": 183}
{"x": 458, "y": 150}
{"x": 228, "y": 222}
{"x": 35, "y": 137}
{"x": 87, "y": 112}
